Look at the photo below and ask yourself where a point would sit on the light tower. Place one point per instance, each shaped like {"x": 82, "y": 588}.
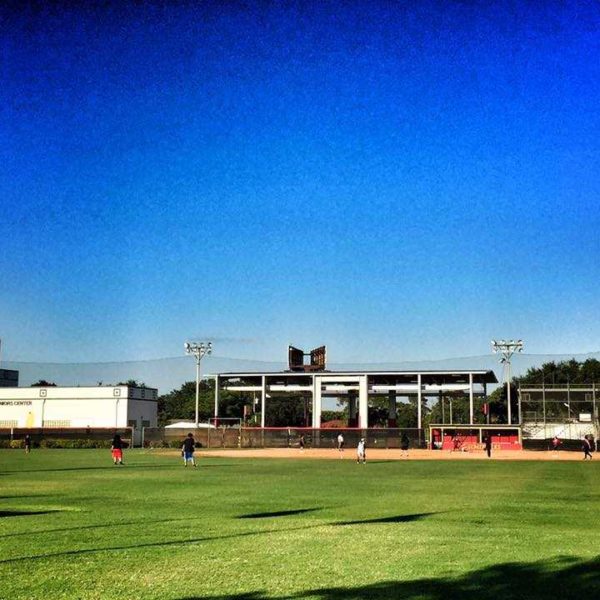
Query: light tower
{"x": 507, "y": 348}
{"x": 199, "y": 350}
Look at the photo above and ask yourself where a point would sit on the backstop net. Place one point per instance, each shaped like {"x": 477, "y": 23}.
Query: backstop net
{"x": 569, "y": 412}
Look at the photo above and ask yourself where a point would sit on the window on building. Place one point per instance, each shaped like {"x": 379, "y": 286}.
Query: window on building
{"x": 6, "y": 424}
{"x": 57, "y": 423}
{"x": 145, "y": 423}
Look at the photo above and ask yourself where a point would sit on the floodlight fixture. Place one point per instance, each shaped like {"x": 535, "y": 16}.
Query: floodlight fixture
{"x": 507, "y": 348}
{"x": 199, "y": 350}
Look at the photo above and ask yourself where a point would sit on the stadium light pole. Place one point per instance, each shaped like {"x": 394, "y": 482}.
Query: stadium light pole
{"x": 507, "y": 348}
{"x": 199, "y": 350}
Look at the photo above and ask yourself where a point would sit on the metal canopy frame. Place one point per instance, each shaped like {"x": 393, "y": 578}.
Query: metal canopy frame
{"x": 356, "y": 386}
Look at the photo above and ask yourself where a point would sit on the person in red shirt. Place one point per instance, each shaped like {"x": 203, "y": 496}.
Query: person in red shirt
{"x": 117, "y": 449}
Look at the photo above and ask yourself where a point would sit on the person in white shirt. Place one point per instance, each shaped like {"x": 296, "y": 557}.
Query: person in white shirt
{"x": 361, "y": 453}
{"x": 340, "y": 444}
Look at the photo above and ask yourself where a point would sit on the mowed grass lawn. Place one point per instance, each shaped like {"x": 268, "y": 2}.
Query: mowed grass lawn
{"x": 74, "y": 526}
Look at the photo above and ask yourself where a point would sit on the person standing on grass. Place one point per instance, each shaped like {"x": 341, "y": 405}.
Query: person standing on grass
{"x": 187, "y": 450}
{"x": 117, "y": 449}
{"x": 27, "y": 444}
{"x": 404, "y": 443}
{"x": 301, "y": 442}
{"x": 556, "y": 444}
{"x": 340, "y": 444}
{"x": 587, "y": 448}
{"x": 487, "y": 442}
{"x": 361, "y": 452}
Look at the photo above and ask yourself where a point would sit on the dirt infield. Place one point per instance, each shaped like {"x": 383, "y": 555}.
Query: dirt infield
{"x": 380, "y": 454}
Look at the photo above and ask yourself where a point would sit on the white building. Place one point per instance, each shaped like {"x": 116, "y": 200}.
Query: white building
{"x": 78, "y": 407}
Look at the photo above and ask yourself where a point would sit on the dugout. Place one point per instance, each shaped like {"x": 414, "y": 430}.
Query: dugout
{"x": 470, "y": 437}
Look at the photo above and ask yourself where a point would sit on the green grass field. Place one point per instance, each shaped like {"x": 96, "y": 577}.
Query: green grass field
{"x": 74, "y": 526}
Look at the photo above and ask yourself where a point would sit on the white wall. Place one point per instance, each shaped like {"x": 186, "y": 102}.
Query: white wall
{"x": 15, "y": 412}
{"x": 76, "y": 407}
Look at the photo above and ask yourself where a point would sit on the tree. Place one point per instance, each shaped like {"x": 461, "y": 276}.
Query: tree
{"x": 132, "y": 383}
{"x": 333, "y": 415}
{"x": 498, "y": 402}
{"x": 43, "y": 383}
{"x": 285, "y": 412}
{"x": 570, "y": 371}
{"x": 181, "y": 404}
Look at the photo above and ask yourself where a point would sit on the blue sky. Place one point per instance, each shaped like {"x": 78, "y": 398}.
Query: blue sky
{"x": 396, "y": 180}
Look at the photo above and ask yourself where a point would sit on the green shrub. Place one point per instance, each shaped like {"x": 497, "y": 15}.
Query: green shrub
{"x": 47, "y": 443}
{"x": 75, "y": 444}
{"x": 17, "y": 444}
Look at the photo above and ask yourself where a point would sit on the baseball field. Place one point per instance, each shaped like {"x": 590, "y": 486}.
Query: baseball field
{"x": 72, "y": 525}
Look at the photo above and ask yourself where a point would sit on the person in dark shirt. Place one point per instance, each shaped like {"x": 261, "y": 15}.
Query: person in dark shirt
{"x": 587, "y": 448}
{"x": 187, "y": 450}
{"x": 117, "y": 449}
{"x": 487, "y": 442}
{"x": 404, "y": 444}
{"x": 27, "y": 444}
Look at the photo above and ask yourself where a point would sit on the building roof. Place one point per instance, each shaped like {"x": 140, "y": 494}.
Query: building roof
{"x": 479, "y": 375}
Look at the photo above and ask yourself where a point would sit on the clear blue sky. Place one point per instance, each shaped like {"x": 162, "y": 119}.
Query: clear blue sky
{"x": 396, "y": 180}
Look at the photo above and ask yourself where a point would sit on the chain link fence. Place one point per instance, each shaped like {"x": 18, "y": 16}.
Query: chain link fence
{"x": 46, "y": 437}
{"x": 280, "y": 437}
{"x": 569, "y": 412}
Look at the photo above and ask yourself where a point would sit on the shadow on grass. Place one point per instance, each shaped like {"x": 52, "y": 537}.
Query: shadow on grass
{"x": 111, "y": 467}
{"x": 24, "y": 513}
{"x": 559, "y": 577}
{"x": 19, "y": 496}
{"x": 97, "y": 526}
{"x": 182, "y": 542}
{"x": 396, "y": 519}
{"x": 279, "y": 513}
